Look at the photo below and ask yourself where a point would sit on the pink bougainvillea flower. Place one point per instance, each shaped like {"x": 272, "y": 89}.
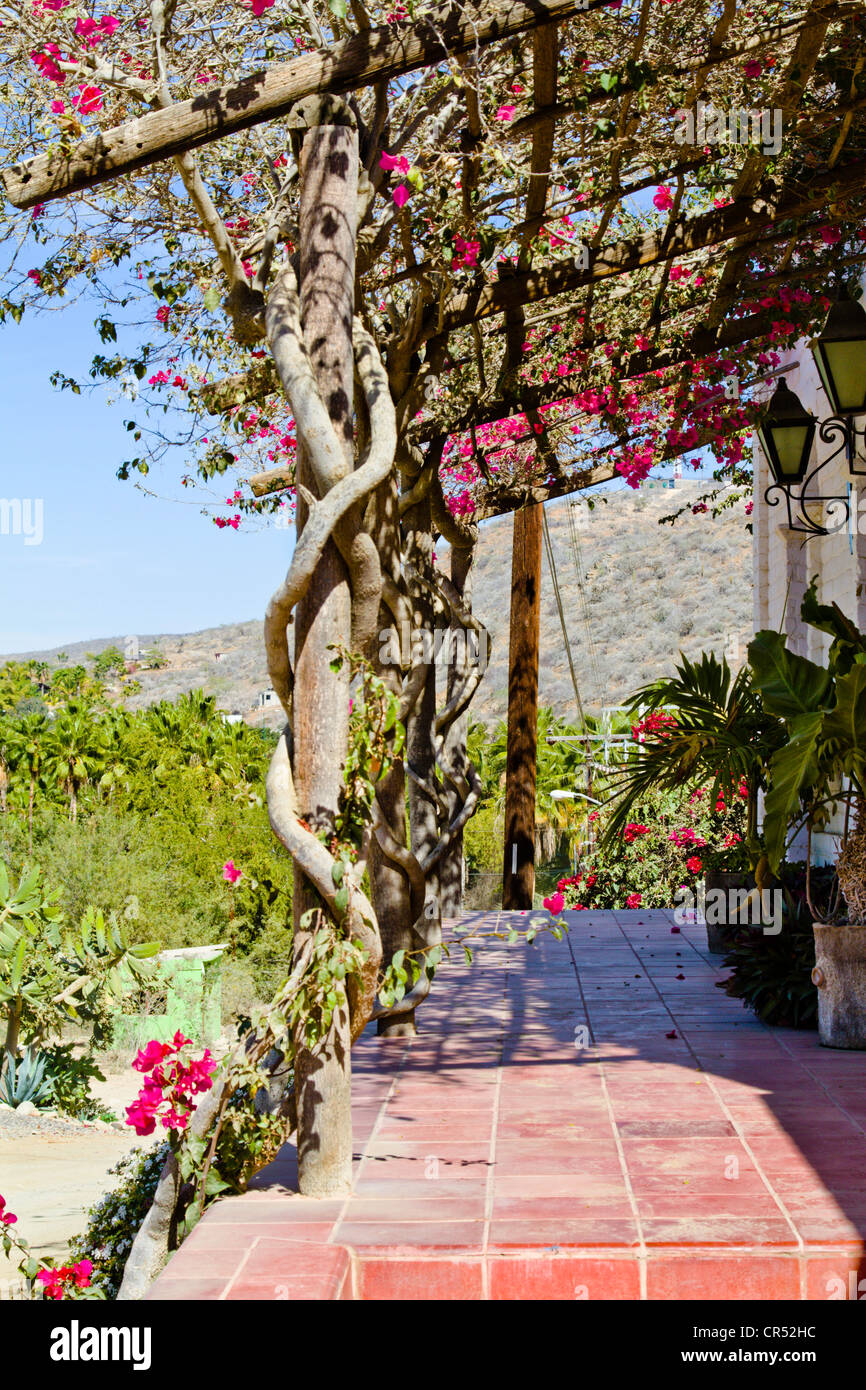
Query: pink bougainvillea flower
{"x": 394, "y": 161}
{"x": 693, "y": 864}
{"x": 108, "y": 24}
{"x": 162, "y": 314}
{"x": 671, "y": 1034}
{"x": 663, "y": 199}
{"x": 258, "y": 7}
{"x": 47, "y": 62}
{"x": 230, "y": 873}
{"x": 35, "y": 276}
{"x": 679, "y": 272}
{"x": 555, "y": 903}
{"x": 506, "y": 113}
{"x": 6, "y": 1217}
{"x": 753, "y": 68}
{"x": 401, "y": 195}
{"x": 57, "y": 1280}
{"x": 829, "y": 235}
{"x": 87, "y": 100}
{"x": 58, "y": 107}
{"x": 148, "y": 1057}
{"x": 634, "y": 900}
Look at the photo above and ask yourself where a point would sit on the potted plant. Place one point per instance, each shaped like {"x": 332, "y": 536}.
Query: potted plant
{"x": 821, "y": 767}
{"x": 705, "y": 726}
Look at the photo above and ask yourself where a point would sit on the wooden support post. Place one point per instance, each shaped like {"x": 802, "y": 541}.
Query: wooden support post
{"x": 518, "y": 880}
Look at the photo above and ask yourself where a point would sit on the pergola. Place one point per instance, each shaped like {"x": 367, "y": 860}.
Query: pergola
{"x": 583, "y": 337}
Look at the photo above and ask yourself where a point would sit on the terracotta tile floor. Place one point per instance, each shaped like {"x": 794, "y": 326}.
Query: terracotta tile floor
{"x": 685, "y": 1152}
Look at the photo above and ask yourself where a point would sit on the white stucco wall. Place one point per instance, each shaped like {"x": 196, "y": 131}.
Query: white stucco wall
{"x": 784, "y": 561}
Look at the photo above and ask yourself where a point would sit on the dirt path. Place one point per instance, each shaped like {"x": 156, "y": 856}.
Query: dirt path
{"x": 50, "y": 1175}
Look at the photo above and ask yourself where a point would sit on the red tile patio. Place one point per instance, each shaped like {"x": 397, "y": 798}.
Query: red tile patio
{"x": 687, "y": 1152}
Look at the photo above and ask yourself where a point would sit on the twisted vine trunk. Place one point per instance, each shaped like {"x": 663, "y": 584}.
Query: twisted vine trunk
{"x": 451, "y": 873}
{"x": 323, "y": 618}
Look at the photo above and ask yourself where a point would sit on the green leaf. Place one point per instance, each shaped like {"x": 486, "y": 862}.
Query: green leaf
{"x": 341, "y": 900}
{"x": 338, "y": 868}
{"x": 792, "y": 769}
{"x": 337, "y": 7}
{"x": 844, "y": 728}
{"x": 789, "y": 684}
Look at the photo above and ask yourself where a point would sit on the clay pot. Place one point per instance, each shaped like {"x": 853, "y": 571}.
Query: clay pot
{"x": 840, "y": 977}
{"x": 720, "y": 934}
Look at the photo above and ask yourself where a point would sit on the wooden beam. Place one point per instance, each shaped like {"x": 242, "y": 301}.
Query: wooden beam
{"x": 687, "y": 235}
{"x": 518, "y": 879}
{"x": 372, "y": 56}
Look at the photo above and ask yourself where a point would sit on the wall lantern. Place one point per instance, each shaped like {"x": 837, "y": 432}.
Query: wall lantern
{"x": 840, "y": 356}
{"x": 787, "y": 430}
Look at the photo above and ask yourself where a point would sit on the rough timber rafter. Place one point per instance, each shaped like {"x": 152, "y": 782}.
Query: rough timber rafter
{"x": 390, "y": 51}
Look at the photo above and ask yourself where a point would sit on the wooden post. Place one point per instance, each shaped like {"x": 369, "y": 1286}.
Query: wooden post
{"x": 518, "y": 880}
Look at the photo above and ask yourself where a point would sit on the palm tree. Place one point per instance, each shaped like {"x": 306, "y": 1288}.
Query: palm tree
{"x": 26, "y": 742}
{"x": 717, "y": 731}
{"x": 75, "y": 753}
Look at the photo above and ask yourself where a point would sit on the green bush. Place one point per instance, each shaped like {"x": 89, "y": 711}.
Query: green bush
{"x": 672, "y": 840}
{"x": 70, "y": 1077}
{"x": 773, "y": 974}
{"x": 113, "y": 1222}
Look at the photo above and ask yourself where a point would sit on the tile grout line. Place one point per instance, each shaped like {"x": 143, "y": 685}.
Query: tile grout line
{"x": 720, "y": 1101}
{"x": 494, "y": 1127}
{"x": 624, "y": 1173}
{"x": 249, "y": 1250}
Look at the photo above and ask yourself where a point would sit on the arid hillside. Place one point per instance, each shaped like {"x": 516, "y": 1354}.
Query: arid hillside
{"x": 647, "y": 591}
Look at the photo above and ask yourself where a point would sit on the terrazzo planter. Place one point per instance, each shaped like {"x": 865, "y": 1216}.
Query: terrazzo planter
{"x": 840, "y": 977}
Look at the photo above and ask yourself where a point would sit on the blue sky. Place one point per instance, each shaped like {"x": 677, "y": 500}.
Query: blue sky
{"x": 112, "y": 561}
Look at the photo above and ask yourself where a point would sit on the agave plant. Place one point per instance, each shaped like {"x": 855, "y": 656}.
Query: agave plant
{"x": 25, "y": 1080}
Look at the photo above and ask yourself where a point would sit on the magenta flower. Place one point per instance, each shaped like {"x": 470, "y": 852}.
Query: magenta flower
{"x": 230, "y": 873}
{"x": 555, "y": 903}
{"x": 88, "y": 100}
{"x": 393, "y": 161}
{"x": 506, "y": 113}
{"x": 150, "y": 1056}
{"x": 663, "y": 199}
{"x": 401, "y": 195}
{"x": 6, "y": 1217}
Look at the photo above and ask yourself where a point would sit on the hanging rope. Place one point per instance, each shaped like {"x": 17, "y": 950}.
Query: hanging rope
{"x": 584, "y": 602}
{"x": 551, "y": 564}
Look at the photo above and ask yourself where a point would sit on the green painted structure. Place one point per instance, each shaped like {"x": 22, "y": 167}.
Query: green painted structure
{"x": 191, "y": 982}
